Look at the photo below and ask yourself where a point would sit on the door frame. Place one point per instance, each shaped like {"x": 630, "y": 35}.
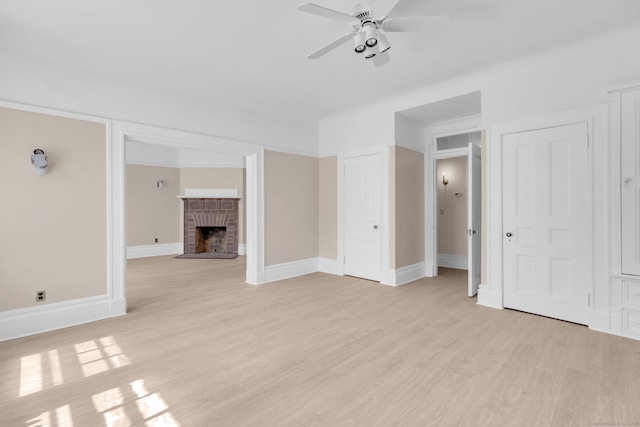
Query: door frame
{"x": 385, "y": 209}
{"x": 121, "y": 132}
{"x": 596, "y": 118}
{"x": 431, "y": 208}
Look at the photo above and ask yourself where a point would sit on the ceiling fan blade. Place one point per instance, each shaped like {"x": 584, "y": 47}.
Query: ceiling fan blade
{"x": 381, "y": 59}
{"x": 415, "y": 23}
{"x": 327, "y": 13}
{"x": 334, "y": 44}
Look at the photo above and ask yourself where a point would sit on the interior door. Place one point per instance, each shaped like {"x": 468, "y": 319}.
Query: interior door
{"x": 474, "y": 217}
{"x": 545, "y": 205}
{"x": 362, "y": 209}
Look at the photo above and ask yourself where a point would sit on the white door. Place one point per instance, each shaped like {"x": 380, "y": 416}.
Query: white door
{"x": 545, "y": 205}
{"x": 362, "y": 210}
{"x": 474, "y": 217}
{"x": 630, "y": 194}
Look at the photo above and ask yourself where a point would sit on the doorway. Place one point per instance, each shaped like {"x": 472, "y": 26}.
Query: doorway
{"x": 451, "y": 208}
{"x": 122, "y": 133}
{"x": 457, "y": 210}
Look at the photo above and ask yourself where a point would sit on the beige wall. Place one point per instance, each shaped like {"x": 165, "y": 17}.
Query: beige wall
{"x": 52, "y": 227}
{"x": 408, "y": 199}
{"x": 152, "y": 212}
{"x": 452, "y": 224}
{"x": 291, "y": 207}
{"x": 215, "y": 178}
{"x": 328, "y": 208}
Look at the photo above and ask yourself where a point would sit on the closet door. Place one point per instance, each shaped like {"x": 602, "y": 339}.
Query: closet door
{"x": 630, "y": 191}
{"x": 546, "y": 224}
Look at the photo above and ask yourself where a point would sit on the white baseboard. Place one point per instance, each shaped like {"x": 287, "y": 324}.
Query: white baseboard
{"x": 599, "y": 321}
{"x": 452, "y": 261}
{"x": 407, "y": 274}
{"x": 157, "y": 249}
{"x": 330, "y": 266}
{"x": 242, "y": 249}
{"x": 288, "y": 270}
{"x": 489, "y": 298}
{"x": 35, "y": 320}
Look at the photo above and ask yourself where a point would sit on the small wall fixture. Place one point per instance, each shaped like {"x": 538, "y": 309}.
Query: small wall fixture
{"x": 39, "y": 160}
{"x": 160, "y": 184}
{"x": 445, "y": 181}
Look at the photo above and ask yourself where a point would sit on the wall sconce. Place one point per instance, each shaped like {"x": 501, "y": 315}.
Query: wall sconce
{"x": 160, "y": 184}
{"x": 39, "y": 160}
{"x": 445, "y": 181}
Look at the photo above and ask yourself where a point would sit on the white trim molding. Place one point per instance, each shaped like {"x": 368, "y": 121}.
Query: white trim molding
{"x": 35, "y": 320}
{"x": 330, "y": 266}
{"x": 596, "y": 119}
{"x": 383, "y": 150}
{"x": 600, "y": 321}
{"x": 123, "y": 133}
{"x": 288, "y": 270}
{"x": 145, "y": 251}
{"x": 242, "y": 249}
{"x": 453, "y": 261}
{"x": 408, "y": 274}
{"x": 489, "y": 298}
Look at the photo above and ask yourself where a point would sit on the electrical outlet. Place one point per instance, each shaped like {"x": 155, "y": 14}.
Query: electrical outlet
{"x": 41, "y": 296}
{"x": 156, "y": 240}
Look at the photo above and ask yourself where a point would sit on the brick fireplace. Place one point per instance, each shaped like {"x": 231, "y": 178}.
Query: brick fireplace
{"x": 210, "y": 225}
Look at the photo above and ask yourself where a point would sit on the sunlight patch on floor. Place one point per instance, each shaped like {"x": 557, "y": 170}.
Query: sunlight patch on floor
{"x": 151, "y": 406}
{"x": 30, "y": 374}
{"x": 62, "y": 418}
{"x": 97, "y": 357}
{"x": 56, "y": 370}
{"x": 119, "y": 406}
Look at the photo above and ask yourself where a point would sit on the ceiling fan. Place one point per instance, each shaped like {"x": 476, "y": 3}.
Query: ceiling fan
{"x": 367, "y": 28}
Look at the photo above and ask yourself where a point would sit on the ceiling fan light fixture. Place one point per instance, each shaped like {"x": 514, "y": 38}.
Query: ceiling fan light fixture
{"x": 383, "y": 43}
{"x": 371, "y": 52}
{"x": 371, "y": 35}
{"x": 359, "y": 42}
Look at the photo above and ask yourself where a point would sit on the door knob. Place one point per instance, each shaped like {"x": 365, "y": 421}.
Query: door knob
{"x": 375, "y": 227}
{"x": 509, "y": 234}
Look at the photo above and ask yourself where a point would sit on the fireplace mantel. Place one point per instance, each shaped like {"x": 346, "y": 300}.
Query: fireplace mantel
{"x": 210, "y": 193}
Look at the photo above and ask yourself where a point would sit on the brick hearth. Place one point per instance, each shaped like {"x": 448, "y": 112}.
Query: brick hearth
{"x": 209, "y": 212}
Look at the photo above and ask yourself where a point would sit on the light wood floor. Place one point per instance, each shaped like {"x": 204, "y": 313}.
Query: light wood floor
{"x": 201, "y": 348}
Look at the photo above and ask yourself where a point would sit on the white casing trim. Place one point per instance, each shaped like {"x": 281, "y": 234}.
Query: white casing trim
{"x": 242, "y": 249}
{"x": 330, "y": 266}
{"x": 599, "y": 321}
{"x": 453, "y": 261}
{"x": 596, "y": 119}
{"x": 489, "y": 298}
{"x": 159, "y": 249}
{"x": 35, "y": 320}
{"x": 288, "y": 270}
{"x": 407, "y": 274}
{"x": 383, "y": 150}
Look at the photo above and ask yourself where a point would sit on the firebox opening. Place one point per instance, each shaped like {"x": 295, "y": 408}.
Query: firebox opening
{"x": 211, "y": 239}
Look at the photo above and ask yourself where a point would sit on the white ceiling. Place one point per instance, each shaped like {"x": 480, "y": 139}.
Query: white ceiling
{"x": 448, "y": 109}
{"x": 251, "y": 55}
